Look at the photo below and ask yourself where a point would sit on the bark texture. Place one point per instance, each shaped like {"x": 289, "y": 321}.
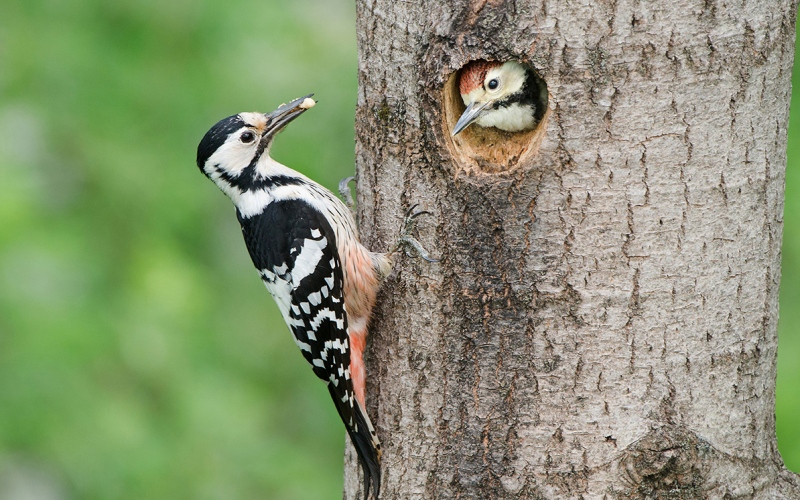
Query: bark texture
{"x": 603, "y": 321}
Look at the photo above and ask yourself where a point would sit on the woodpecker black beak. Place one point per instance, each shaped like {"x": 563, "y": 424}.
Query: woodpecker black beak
{"x": 469, "y": 115}
{"x": 285, "y": 113}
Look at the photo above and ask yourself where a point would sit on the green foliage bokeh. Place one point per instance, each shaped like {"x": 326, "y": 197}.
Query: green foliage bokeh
{"x": 140, "y": 356}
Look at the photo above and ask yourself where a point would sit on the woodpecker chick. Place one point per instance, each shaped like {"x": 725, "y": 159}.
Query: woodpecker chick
{"x": 509, "y": 96}
{"x": 304, "y": 244}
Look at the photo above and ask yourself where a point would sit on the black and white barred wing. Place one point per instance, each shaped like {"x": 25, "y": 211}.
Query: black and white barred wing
{"x": 294, "y": 248}
{"x": 316, "y": 313}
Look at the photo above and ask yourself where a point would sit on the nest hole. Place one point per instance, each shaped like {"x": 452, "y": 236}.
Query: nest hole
{"x": 489, "y": 149}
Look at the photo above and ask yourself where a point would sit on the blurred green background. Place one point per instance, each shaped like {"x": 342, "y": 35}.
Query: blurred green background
{"x": 135, "y": 359}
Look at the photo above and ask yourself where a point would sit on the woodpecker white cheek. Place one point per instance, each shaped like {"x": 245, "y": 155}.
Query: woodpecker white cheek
{"x": 307, "y": 103}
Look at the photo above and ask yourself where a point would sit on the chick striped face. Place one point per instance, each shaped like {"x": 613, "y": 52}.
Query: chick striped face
{"x": 473, "y": 75}
{"x": 490, "y": 81}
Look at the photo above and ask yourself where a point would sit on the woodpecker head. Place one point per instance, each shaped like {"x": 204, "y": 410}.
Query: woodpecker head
{"x": 505, "y": 95}
{"x": 235, "y": 152}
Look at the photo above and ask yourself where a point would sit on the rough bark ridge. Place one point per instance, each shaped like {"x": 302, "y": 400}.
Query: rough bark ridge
{"x": 603, "y": 322}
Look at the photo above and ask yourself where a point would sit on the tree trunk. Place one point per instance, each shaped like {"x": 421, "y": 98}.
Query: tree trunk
{"x": 603, "y": 320}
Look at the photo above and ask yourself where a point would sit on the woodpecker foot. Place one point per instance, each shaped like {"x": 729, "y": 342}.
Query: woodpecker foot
{"x": 345, "y": 193}
{"x": 407, "y": 242}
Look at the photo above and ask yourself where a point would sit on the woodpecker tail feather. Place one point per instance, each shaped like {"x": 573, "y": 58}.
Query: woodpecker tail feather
{"x": 364, "y": 439}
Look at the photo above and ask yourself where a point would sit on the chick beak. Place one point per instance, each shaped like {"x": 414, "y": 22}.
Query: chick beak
{"x": 469, "y": 115}
{"x": 285, "y": 113}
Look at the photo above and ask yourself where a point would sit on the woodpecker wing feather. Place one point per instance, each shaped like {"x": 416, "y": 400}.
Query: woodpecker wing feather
{"x": 294, "y": 248}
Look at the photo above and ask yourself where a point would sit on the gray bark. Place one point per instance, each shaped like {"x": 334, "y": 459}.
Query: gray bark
{"x": 603, "y": 321}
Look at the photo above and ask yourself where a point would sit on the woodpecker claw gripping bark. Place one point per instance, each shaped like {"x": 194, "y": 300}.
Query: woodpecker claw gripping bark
{"x": 304, "y": 243}
{"x": 345, "y": 193}
{"x": 407, "y": 242}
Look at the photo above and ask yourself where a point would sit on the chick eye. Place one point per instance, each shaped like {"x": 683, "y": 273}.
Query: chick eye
{"x": 247, "y": 137}
{"x": 493, "y": 84}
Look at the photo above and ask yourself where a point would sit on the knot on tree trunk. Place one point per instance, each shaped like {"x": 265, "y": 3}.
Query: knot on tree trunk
{"x": 672, "y": 461}
{"x": 666, "y": 462}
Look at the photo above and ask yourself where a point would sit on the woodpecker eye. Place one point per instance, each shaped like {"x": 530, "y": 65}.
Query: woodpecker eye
{"x": 493, "y": 84}
{"x": 247, "y": 137}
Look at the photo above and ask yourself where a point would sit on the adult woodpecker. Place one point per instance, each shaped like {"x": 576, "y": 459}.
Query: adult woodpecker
{"x": 304, "y": 243}
{"x": 509, "y": 96}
